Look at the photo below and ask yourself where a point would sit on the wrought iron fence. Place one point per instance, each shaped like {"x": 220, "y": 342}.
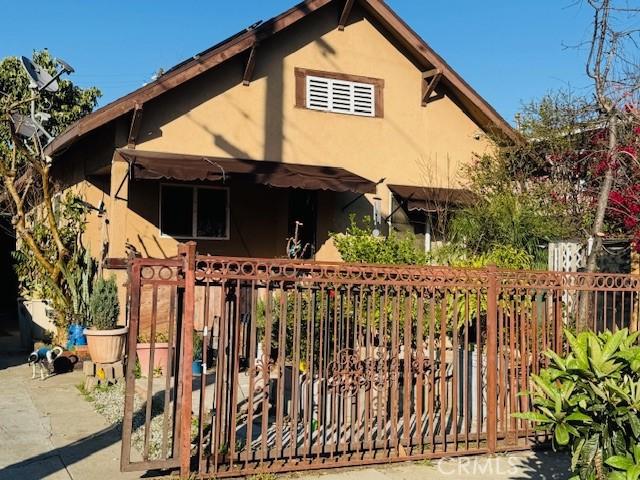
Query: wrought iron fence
{"x": 314, "y": 365}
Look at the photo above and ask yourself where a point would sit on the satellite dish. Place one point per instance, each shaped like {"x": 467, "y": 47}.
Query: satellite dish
{"x": 40, "y": 78}
{"x": 29, "y": 127}
{"x": 25, "y": 126}
{"x": 65, "y": 66}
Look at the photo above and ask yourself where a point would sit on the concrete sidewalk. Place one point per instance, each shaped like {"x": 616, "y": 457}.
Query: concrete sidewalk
{"x": 49, "y": 431}
{"x": 515, "y": 466}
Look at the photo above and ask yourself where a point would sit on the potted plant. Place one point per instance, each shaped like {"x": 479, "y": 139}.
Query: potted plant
{"x": 196, "y": 365}
{"x": 81, "y": 282}
{"x": 104, "y": 339}
{"x": 160, "y": 353}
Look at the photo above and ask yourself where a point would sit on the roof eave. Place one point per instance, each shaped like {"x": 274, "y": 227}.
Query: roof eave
{"x": 199, "y": 64}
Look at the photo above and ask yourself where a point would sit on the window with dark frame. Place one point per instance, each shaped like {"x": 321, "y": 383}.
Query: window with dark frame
{"x": 194, "y": 212}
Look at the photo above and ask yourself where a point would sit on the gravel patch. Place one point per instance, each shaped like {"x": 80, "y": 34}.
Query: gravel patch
{"x": 109, "y": 402}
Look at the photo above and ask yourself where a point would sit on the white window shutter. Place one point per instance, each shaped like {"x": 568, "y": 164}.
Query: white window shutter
{"x": 364, "y": 99}
{"x": 318, "y": 90}
{"x": 340, "y": 96}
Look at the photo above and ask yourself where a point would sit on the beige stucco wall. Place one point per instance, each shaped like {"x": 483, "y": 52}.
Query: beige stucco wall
{"x": 257, "y": 228}
{"x": 216, "y": 115}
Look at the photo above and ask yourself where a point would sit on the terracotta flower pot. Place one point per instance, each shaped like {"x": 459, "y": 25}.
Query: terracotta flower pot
{"x": 106, "y": 346}
{"x": 160, "y": 356}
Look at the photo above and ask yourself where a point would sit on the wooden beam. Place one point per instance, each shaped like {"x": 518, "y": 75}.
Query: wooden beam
{"x": 136, "y": 121}
{"x": 430, "y": 81}
{"x": 251, "y": 63}
{"x": 474, "y": 104}
{"x": 116, "y": 263}
{"x": 430, "y": 73}
{"x": 346, "y": 11}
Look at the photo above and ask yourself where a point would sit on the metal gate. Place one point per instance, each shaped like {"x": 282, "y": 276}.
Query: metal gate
{"x": 315, "y": 365}
{"x": 158, "y": 385}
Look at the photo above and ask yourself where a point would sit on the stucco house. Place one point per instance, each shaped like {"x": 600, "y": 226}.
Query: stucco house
{"x": 332, "y": 108}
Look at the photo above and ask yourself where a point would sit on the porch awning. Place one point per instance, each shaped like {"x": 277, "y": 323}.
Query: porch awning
{"x": 432, "y": 199}
{"x": 157, "y": 165}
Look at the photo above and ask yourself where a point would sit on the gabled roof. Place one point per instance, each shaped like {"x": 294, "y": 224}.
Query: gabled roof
{"x": 477, "y": 107}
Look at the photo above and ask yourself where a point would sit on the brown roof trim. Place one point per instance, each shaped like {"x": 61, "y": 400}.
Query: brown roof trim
{"x": 244, "y": 41}
{"x": 184, "y": 72}
{"x": 411, "y": 40}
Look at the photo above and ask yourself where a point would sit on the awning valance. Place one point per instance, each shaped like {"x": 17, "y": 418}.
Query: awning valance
{"x": 157, "y": 165}
{"x": 432, "y": 199}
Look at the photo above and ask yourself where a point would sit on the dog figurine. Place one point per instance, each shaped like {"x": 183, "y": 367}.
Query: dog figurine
{"x": 44, "y": 357}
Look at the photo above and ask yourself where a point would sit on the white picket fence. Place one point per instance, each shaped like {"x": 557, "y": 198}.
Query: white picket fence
{"x": 566, "y": 256}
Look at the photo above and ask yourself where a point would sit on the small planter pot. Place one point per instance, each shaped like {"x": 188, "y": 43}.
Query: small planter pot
{"x": 106, "y": 346}
{"x": 160, "y": 356}
{"x": 196, "y": 367}
{"x": 76, "y": 336}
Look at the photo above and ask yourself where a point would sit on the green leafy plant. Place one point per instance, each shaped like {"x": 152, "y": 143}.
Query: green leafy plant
{"x": 80, "y": 282}
{"x": 358, "y": 245}
{"x": 103, "y": 304}
{"x": 590, "y": 401}
{"x": 507, "y": 226}
{"x": 137, "y": 371}
{"x": 197, "y": 345}
{"x": 79, "y": 270}
{"x": 160, "y": 337}
{"x": 627, "y": 467}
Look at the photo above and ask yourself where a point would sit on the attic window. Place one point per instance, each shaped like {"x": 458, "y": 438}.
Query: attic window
{"x": 339, "y": 93}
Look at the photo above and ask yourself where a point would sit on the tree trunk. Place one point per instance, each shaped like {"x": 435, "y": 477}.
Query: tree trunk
{"x": 598, "y": 222}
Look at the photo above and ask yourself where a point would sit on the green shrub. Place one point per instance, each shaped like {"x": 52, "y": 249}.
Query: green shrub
{"x": 103, "y": 304}
{"x": 358, "y": 245}
{"x": 506, "y": 219}
{"x": 590, "y": 400}
{"x": 502, "y": 256}
{"x": 197, "y": 345}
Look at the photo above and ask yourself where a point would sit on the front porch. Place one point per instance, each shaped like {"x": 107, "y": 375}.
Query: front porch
{"x": 235, "y": 207}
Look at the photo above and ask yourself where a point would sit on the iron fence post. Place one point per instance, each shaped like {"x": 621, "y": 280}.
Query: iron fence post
{"x": 188, "y": 253}
{"x": 133, "y": 292}
{"x": 492, "y": 358}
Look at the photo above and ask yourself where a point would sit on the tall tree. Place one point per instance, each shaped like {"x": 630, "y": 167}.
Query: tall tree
{"x": 612, "y": 65}
{"x": 47, "y": 230}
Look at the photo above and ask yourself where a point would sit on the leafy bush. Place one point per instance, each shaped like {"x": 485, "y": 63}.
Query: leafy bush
{"x": 161, "y": 336}
{"x": 35, "y": 282}
{"x": 502, "y": 256}
{"x": 357, "y": 244}
{"x": 589, "y": 400}
{"x": 103, "y": 304}
{"x": 197, "y": 345}
{"x": 506, "y": 219}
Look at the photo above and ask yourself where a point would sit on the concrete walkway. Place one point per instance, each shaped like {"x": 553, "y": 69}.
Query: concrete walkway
{"x": 516, "y": 466}
{"x": 49, "y": 431}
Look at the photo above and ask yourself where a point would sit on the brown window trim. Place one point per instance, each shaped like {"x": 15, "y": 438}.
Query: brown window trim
{"x": 301, "y": 91}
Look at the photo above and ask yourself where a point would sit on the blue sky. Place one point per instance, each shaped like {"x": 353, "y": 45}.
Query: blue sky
{"x": 510, "y": 51}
